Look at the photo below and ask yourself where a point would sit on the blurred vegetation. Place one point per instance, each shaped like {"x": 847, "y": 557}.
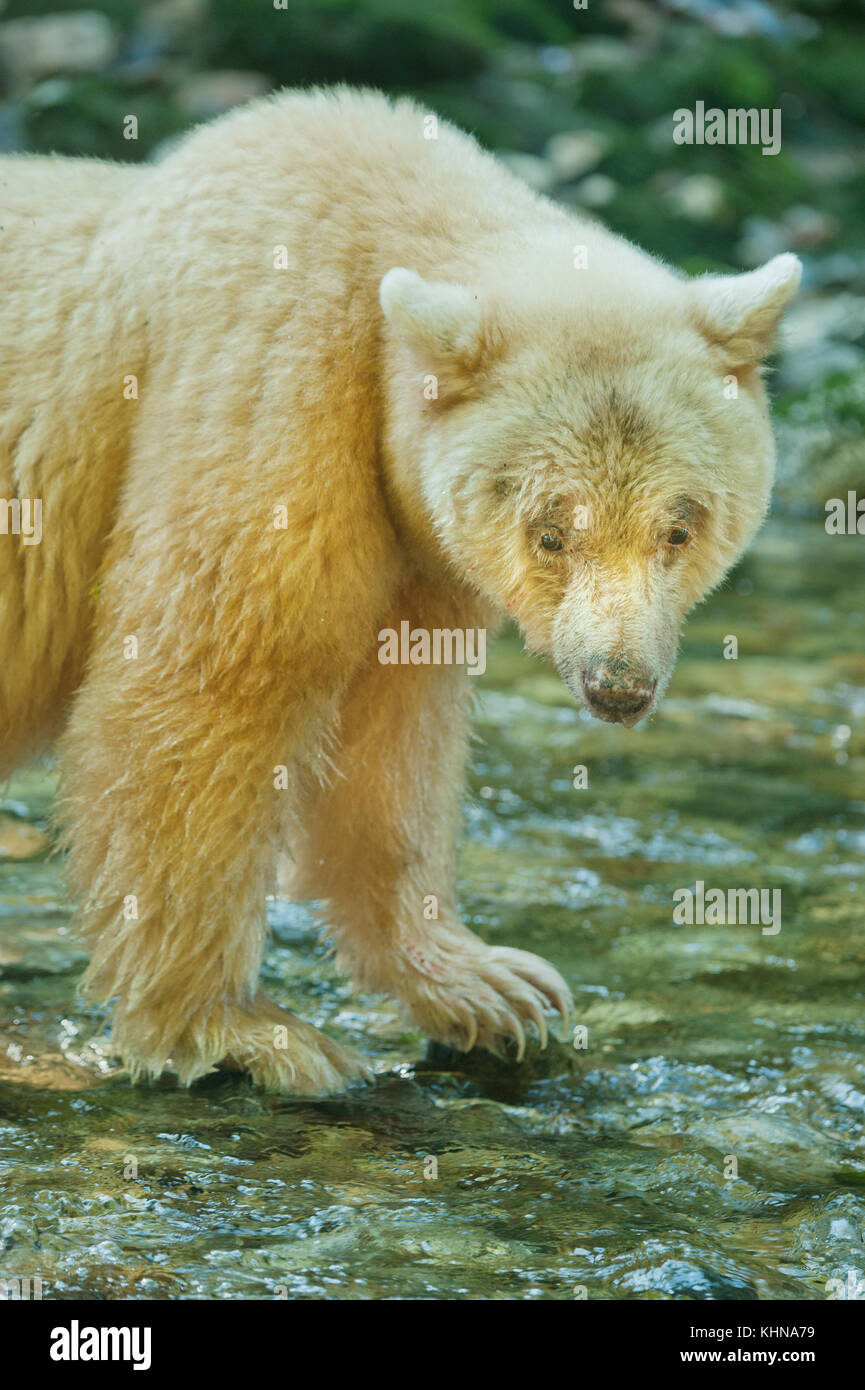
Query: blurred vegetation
{"x": 579, "y": 101}
{"x": 518, "y": 73}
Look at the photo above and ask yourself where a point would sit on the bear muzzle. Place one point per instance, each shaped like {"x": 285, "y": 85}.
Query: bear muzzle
{"x": 618, "y": 692}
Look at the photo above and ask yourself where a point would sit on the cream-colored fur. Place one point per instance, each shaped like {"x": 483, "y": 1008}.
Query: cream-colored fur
{"x": 428, "y": 387}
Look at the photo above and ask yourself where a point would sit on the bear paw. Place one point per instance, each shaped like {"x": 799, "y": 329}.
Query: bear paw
{"x": 272, "y": 1046}
{"x": 484, "y": 998}
{"x": 284, "y": 1054}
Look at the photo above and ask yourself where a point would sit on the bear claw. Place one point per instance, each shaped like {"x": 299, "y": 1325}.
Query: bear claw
{"x": 487, "y": 999}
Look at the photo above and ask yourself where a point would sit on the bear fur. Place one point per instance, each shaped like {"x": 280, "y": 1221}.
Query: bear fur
{"x": 310, "y": 376}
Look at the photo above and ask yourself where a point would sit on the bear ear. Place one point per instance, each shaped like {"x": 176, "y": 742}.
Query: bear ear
{"x": 438, "y": 319}
{"x": 742, "y": 312}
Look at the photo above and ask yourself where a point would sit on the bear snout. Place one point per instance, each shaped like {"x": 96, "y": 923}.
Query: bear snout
{"x": 618, "y": 692}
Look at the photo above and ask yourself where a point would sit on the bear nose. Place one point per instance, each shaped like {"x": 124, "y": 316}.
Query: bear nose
{"x": 618, "y": 692}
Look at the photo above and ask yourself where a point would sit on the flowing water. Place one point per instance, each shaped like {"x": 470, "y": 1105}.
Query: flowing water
{"x": 705, "y": 1143}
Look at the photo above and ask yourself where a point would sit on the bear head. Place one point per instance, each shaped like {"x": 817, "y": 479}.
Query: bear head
{"x": 592, "y": 455}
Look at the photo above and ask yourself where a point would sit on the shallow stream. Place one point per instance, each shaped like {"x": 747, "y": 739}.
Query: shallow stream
{"x": 706, "y": 1143}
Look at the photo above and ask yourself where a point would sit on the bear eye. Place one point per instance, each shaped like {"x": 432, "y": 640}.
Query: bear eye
{"x": 680, "y": 535}
{"x": 552, "y": 539}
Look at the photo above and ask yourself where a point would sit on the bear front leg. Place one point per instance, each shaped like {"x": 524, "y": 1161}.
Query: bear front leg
{"x": 378, "y": 846}
{"x": 173, "y": 819}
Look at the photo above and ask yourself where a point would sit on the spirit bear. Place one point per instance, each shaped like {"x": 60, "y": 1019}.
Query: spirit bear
{"x": 325, "y": 370}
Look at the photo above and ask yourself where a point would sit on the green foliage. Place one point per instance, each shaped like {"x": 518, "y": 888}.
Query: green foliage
{"x": 84, "y": 116}
{"x": 516, "y": 73}
{"x": 389, "y": 43}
